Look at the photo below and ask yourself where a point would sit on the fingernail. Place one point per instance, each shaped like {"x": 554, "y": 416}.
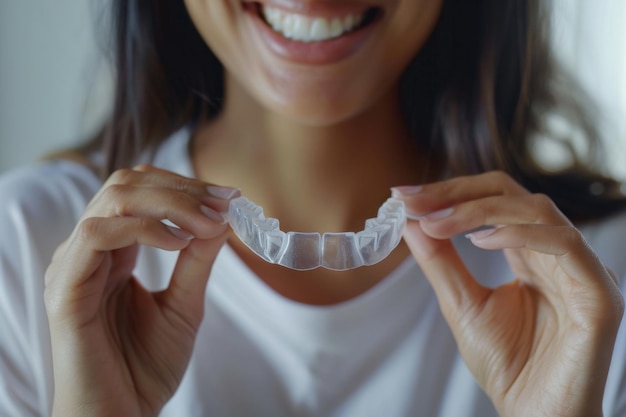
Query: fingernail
{"x": 405, "y": 190}
{"x": 438, "y": 215}
{"x": 212, "y": 214}
{"x": 225, "y": 193}
{"x": 480, "y": 234}
{"x": 179, "y": 233}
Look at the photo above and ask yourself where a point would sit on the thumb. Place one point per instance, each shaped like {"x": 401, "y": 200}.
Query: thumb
{"x": 185, "y": 294}
{"x": 454, "y": 285}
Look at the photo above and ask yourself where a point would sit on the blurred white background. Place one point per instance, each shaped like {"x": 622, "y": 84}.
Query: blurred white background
{"x": 590, "y": 39}
{"x": 55, "y": 87}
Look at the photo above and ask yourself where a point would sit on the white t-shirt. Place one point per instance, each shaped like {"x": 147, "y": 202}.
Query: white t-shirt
{"x": 387, "y": 352}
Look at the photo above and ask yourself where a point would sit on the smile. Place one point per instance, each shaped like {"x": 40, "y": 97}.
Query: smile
{"x": 311, "y": 28}
{"x": 307, "y": 29}
{"x": 315, "y": 33}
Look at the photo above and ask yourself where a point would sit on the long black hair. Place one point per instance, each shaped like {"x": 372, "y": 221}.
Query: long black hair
{"x": 476, "y": 94}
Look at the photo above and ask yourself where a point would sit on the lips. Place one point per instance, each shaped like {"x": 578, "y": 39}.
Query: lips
{"x": 310, "y": 29}
{"x": 313, "y": 36}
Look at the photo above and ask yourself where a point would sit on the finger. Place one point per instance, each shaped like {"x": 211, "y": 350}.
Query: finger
{"x": 189, "y": 184}
{"x": 453, "y": 284}
{"x": 498, "y": 210}
{"x": 185, "y": 295}
{"x": 159, "y": 204}
{"x": 95, "y": 236}
{"x": 149, "y": 176}
{"x": 59, "y": 251}
{"x": 421, "y": 200}
{"x": 565, "y": 243}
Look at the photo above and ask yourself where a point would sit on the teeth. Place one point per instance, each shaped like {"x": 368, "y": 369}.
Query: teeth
{"x": 309, "y": 29}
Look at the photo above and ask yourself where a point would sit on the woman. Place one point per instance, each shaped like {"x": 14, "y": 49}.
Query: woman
{"x": 314, "y": 110}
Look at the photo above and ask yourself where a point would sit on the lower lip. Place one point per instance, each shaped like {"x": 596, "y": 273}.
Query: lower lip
{"x": 312, "y": 53}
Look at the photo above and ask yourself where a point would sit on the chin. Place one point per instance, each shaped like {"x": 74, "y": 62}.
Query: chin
{"x": 314, "y": 104}
{"x": 315, "y": 114}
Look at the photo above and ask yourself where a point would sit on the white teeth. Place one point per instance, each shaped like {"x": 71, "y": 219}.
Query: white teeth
{"x": 348, "y": 21}
{"x": 319, "y": 30}
{"x": 309, "y": 29}
{"x": 336, "y": 28}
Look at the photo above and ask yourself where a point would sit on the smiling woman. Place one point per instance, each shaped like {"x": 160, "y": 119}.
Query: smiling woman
{"x": 126, "y": 293}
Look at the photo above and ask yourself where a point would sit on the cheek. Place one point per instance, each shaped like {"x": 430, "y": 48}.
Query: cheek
{"x": 309, "y": 94}
{"x": 216, "y": 21}
{"x": 413, "y": 24}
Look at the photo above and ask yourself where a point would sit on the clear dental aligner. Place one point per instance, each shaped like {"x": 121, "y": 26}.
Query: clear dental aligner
{"x": 304, "y": 251}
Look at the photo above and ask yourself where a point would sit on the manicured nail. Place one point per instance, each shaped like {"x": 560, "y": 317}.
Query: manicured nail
{"x": 438, "y": 215}
{"x": 480, "y": 234}
{"x": 225, "y": 193}
{"x": 212, "y": 214}
{"x": 179, "y": 233}
{"x": 405, "y": 190}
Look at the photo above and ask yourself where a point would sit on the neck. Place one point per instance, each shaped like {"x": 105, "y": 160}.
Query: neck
{"x": 312, "y": 178}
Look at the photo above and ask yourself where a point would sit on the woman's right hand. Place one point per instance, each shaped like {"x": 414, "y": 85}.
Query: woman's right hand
{"x": 117, "y": 348}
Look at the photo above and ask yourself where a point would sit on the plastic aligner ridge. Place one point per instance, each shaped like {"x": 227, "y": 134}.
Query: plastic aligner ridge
{"x": 304, "y": 251}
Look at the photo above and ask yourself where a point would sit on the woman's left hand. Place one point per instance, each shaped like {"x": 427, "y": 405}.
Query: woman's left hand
{"x": 540, "y": 345}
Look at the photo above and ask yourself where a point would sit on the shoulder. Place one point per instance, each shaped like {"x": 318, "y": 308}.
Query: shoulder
{"x": 41, "y": 203}
{"x": 47, "y": 187}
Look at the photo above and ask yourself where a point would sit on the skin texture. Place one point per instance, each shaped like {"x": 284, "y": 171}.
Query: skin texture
{"x": 117, "y": 348}
{"x": 313, "y": 135}
{"x": 542, "y": 344}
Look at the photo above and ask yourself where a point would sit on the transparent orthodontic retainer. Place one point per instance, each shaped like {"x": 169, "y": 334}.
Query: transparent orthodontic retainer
{"x": 304, "y": 251}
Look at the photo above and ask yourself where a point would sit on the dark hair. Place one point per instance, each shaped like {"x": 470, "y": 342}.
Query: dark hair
{"x": 476, "y": 95}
